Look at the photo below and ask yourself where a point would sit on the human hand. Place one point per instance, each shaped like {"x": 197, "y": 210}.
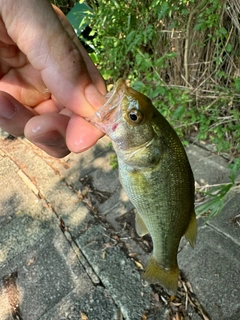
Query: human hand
{"x": 48, "y": 83}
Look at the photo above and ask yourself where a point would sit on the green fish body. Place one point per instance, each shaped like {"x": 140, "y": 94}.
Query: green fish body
{"x": 156, "y": 175}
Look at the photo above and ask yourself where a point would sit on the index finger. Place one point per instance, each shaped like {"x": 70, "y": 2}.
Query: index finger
{"x": 39, "y": 33}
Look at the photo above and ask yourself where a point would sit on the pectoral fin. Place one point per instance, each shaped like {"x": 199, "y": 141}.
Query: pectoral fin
{"x": 140, "y": 225}
{"x": 191, "y": 232}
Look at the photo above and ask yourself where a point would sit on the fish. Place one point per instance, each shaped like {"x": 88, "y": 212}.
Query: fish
{"x": 156, "y": 175}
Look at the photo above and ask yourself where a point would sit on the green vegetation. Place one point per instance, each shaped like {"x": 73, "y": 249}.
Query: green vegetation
{"x": 184, "y": 55}
{"x": 64, "y": 5}
{"x": 218, "y": 195}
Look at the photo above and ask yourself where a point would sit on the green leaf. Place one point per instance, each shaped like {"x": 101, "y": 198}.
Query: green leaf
{"x": 229, "y": 48}
{"x": 235, "y": 167}
{"x": 94, "y": 57}
{"x": 77, "y": 15}
{"x": 138, "y": 85}
{"x": 223, "y": 30}
{"x": 130, "y": 37}
{"x": 237, "y": 84}
{"x": 215, "y": 201}
{"x": 179, "y": 112}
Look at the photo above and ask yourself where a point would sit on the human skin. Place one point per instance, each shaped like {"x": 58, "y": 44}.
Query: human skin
{"x": 48, "y": 83}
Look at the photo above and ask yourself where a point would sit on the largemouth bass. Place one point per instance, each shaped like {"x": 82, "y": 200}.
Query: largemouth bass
{"x": 156, "y": 175}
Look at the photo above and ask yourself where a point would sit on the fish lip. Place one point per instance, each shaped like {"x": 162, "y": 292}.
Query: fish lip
{"x": 108, "y": 115}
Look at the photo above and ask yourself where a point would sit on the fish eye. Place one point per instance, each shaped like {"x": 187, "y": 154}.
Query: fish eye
{"x": 135, "y": 116}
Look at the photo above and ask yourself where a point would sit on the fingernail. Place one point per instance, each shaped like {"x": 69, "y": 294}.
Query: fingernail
{"x": 94, "y": 97}
{"x": 7, "y": 111}
{"x": 53, "y": 138}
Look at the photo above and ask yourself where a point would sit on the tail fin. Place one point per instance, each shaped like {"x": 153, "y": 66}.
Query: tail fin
{"x": 168, "y": 278}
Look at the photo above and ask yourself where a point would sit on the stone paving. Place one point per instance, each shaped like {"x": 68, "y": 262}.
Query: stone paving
{"x": 66, "y": 250}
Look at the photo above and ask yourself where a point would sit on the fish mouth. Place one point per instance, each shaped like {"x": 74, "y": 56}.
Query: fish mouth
{"x": 106, "y": 118}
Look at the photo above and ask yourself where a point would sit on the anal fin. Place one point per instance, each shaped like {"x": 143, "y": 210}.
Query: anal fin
{"x": 140, "y": 225}
{"x": 191, "y": 232}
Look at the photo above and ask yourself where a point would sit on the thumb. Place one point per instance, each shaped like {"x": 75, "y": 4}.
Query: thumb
{"x": 54, "y": 51}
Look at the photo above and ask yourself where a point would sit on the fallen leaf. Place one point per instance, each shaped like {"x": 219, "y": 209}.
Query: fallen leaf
{"x": 83, "y": 316}
{"x": 138, "y": 264}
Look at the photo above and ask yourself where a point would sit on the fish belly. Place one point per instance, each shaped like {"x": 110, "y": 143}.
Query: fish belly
{"x": 164, "y": 210}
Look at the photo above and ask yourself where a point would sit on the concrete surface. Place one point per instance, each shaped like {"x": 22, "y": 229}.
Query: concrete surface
{"x": 68, "y": 249}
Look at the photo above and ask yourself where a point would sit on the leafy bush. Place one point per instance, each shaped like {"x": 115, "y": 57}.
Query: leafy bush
{"x": 184, "y": 55}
